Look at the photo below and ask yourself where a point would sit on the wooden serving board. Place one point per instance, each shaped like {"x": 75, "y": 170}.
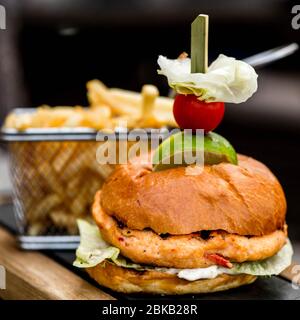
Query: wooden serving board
{"x": 32, "y": 275}
{"x": 50, "y": 275}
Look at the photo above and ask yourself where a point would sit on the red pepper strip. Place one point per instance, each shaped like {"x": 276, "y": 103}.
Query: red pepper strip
{"x": 219, "y": 260}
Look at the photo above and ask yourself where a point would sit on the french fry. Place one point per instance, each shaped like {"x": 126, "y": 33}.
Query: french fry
{"x": 46, "y": 116}
{"x": 134, "y": 98}
{"x": 63, "y": 156}
{"x": 98, "y": 93}
{"x": 43, "y": 208}
{"x": 37, "y": 228}
{"x": 165, "y": 119}
{"x": 73, "y": 185}
{"x": 127, "y": 97}
{"x": 108, "y": 108}
{"x": 19, "y": 122}
{"x": 80, "y": 159}
{"x": 162, "y": 107}
{"x": 149, "y": 95}
{"x": 97, "y": 118}
{"x": 50, "y": 176}
{"x": 62, "y": 220}
{"x": 125, "y": 121}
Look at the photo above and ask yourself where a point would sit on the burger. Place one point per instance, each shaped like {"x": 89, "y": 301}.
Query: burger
{"x": 160, "y": 230}
{"x": 167, "y": 232}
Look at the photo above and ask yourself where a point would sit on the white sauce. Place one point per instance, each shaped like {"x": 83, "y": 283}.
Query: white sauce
{"x": 199, "y": 273}
{"x": 196, "y": 274}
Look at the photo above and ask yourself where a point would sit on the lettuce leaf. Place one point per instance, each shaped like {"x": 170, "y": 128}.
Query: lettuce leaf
{"x": 268, "y": 267}
{"x": 93, "y": 250}
{"x": 125, "y": 263}
{"x": 226, "y": 80}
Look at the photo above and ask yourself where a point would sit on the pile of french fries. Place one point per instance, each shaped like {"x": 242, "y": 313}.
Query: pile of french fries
{"x": 108, "y": 109}
{"x": 55, "y": 182}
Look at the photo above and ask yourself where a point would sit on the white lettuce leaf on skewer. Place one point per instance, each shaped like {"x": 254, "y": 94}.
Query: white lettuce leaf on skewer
{"x": 226, "y": 80}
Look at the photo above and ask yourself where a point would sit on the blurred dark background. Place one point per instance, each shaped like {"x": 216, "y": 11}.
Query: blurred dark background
{"x": 51, "y": 48}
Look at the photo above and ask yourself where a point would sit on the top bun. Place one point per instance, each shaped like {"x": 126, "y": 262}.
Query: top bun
{"x": 244, "y": 199}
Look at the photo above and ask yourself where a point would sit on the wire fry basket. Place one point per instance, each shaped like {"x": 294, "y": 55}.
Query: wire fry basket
{"x": 54, "y": 184}
{"x": 55, "y": 175}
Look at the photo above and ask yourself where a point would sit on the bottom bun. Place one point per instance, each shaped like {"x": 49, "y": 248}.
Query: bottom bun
{"x": 154, "y": 282}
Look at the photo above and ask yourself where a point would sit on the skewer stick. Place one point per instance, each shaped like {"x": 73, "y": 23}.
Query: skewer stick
{"x": 199, "y": 44}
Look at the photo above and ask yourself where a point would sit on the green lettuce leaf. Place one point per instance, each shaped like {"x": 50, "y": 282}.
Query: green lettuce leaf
{"x": 125, "y": 263}
{"x": 92, "y": 249}
{"x": 268, "y": 267}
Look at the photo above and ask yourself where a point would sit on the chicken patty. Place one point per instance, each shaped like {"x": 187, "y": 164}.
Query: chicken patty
{"x": 186, "y": 251}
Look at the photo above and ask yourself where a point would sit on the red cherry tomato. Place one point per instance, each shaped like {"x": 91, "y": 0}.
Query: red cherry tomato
{"x": 192, "y": 113}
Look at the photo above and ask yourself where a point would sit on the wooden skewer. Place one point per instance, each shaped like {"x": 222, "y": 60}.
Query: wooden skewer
{"x": 199, "y": 44}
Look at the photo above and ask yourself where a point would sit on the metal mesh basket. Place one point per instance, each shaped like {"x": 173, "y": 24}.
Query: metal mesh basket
{"x": 55, "y": 175}
{"x": 54, "y": 184}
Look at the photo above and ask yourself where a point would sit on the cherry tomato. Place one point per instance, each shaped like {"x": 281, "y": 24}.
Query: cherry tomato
{"x": 192, "y": 113}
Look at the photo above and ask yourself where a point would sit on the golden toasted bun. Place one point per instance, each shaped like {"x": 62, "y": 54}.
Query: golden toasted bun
{"x": 245, "y": 199}
{"x": 184, "y": 251}
{"x": 154, "y": 282}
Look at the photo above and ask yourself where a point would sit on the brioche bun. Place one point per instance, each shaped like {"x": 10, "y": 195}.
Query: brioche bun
{"x": 244, "y": 199}
{"x": 154, "y": 282}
